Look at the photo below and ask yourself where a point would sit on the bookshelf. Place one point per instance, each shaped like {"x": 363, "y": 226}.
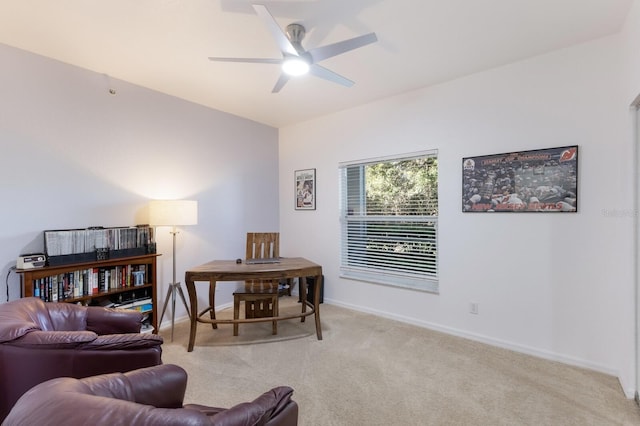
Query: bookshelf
{"x": 111, "y": 282}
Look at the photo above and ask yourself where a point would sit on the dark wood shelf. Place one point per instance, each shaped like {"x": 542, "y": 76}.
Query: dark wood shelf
{"x": 30, "y": 275}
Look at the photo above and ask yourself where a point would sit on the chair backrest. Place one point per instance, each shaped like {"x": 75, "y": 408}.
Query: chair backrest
{"x": 263, "y": 245}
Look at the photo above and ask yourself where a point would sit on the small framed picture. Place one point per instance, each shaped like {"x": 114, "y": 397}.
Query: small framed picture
{"x": 305, "y": 184}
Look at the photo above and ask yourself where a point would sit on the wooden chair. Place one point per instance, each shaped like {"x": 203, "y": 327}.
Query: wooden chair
{"x": 260, "y": 297}
{"x": 263, "y": 245}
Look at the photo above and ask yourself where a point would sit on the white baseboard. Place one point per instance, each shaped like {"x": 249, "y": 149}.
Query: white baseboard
{"x": 540, "y": 353}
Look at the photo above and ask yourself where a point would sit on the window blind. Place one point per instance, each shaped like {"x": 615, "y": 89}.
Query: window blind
{"x": 389, "y": 219}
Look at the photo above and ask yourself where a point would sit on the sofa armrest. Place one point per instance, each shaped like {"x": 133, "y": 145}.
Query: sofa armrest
{"x": 20, "y": 317}
{"x": 113, "y": 321}
{"x": 259, "y": 411}
{"x": 127, "y": 341}
{"x": 54, "y": 339}
{"x": 15, "y": 328}
{"x": 274, "y": 401}
{"x": 114, "y": 385}
{"x": 162, "y": 386}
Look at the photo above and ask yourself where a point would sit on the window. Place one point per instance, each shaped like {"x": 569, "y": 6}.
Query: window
{"x": 389, "y": 218}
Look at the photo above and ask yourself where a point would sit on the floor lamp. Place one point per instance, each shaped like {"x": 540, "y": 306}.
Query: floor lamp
{"x": 173, "y": 213}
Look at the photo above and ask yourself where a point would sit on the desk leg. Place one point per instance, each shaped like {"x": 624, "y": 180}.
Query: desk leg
{"x": 316, "y": 304}
{"x": 193, "y": 300}
{"x": 212, "y": 302}
{"x": 302, "y": 289}
{"x": 290, "y": 284}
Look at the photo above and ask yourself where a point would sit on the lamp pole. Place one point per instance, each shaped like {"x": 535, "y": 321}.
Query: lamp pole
{"x": 173, "y": 213}
{"x": 171, "y": 291}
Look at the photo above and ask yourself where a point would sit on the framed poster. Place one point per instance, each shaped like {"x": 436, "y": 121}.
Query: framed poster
{"x": 543, "y": 180}
{"x": 305, "y": 196}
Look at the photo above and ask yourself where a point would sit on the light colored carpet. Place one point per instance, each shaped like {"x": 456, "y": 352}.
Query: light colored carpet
{"x": 369, "y": 370}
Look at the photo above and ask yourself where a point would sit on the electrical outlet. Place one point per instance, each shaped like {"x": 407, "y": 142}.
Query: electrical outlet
{"x": 473, "y": 308}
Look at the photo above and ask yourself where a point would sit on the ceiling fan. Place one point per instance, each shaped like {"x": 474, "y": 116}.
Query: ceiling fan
{"x": 295, "y": 59}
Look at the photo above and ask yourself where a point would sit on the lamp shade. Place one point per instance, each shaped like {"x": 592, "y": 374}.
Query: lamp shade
{"x": 173, "y": 212}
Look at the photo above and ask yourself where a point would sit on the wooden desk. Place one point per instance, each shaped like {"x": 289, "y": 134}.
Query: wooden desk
{"x": 229, "y": 270}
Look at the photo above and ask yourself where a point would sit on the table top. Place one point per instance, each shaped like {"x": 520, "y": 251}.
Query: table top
{"x": 229, "y": 270}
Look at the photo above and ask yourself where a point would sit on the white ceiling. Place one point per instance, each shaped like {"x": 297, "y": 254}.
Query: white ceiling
{"x": 164, "y": 44}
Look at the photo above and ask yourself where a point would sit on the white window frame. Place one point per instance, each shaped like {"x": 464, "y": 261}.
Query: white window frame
{"x": 374, "y": 266}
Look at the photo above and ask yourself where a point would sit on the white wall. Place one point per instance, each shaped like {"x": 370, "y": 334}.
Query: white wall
{"x": 631, "y": 36}
{"x": 558, "y": 286}
{"x": 631, "y": 43}
{"x": 74, "y": 156}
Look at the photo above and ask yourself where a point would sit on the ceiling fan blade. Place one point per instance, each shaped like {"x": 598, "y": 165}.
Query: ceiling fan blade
{"x": 281, "y": 38}
{"x": 280, "y": 83}
{"x": 323, "y": 52}
{"x": 250, "y": 60}
{"x": 326, "y": 74}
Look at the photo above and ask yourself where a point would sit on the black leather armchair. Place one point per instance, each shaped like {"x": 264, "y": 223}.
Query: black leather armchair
{"x": 148, "y": 396}
{"x": 40, "y": 341}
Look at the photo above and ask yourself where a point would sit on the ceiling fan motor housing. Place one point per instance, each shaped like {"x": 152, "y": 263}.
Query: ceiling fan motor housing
{"x": 295, "y": 34}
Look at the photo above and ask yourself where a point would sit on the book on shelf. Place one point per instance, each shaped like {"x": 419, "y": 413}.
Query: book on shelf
{"x": 84, "y": 245}
{"x": 142, "y": 305}
{"x": 88, "y": 282}
{"x": 141, "y": 302}
{"x": 147, "y": 307}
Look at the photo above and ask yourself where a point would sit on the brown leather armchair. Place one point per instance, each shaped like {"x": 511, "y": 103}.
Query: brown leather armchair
{"x": 41, "y": 341}
{"x": 148, "y": 396}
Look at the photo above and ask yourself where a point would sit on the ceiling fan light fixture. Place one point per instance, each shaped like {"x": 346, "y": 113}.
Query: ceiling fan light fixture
{"x": 297, "y": 61}
{"x": 295, "y": 66}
